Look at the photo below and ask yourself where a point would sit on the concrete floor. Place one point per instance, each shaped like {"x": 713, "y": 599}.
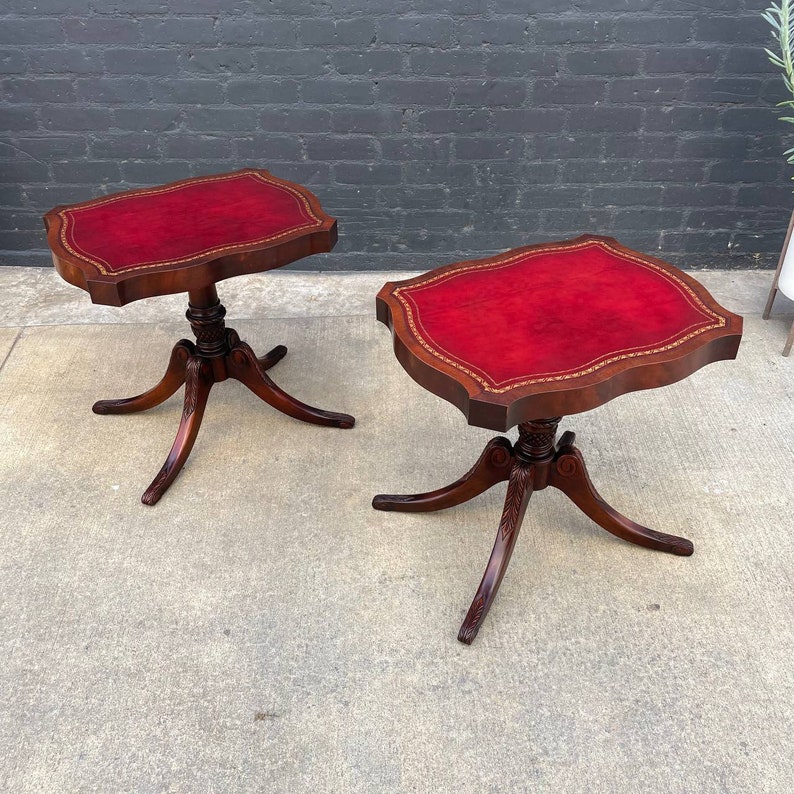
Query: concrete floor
{"x": 263, "y": 629}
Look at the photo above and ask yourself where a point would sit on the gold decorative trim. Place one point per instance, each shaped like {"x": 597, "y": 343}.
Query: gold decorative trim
{"x": 106, "y": 269}
{"x": 490, "y": 385}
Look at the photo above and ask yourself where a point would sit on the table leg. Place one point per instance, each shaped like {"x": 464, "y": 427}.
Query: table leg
{"x": 569, "y": 475}
{"x": 198, "y": 382}
{"x": 492, "y": 467}
{"x": 243, "y": 365}
{"x": 217, "y": 354}
{"x": 273, "y": 357}
{"x": 519, "y": 490}
{"x": 531, "y": 464}
{"x": 172, "y": 380}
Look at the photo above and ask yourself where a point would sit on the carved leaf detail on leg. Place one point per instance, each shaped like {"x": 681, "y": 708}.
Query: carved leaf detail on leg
{"x": 471, "y": 624}
{"x": 520, "y": 481}
{"x": 519, "y": 490}
{"x": 192, "y": 375}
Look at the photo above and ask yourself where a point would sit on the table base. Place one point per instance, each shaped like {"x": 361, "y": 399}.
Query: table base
{"x": 217, "y": 355}
{"x": 535, "y": 462}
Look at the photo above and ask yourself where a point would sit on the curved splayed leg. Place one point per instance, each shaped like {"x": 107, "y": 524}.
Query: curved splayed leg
{"x": 172, "y": 380}
{"x": 243, "y": 365}
{"x": 569, "y": 475}
{"x": 519, "y": 490}
{"x": 198, "y": 382}
{"x": 492, "y": 467}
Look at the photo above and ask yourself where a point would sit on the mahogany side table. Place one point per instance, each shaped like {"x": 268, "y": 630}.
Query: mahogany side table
{"x": 531, "y": 335}
{"x": 185, "y": 237}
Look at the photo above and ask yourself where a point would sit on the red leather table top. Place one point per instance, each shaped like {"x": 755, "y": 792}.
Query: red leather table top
{"x": 552, "y": 329}
{"x": 173, "y": 227}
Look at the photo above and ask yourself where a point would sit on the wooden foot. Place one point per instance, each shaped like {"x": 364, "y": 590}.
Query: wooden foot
{"x": 172, "y": 380}
{"x": 519, "y": 489}
{"x": 243, "y": 365}
{"x": 198, "y": 382}
{"x": 216, "y": 355}
{"x": 569, "y": 474}
{"x": 273, "y": 357}
{"x": 492, "y": 467}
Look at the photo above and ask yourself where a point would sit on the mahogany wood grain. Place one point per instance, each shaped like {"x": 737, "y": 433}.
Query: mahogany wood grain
{"x": 492, "y": 467}
{"x": 272, "y": 357}
{"x": 519, "y": 489}
{"x": 171, "y": 382}
{"x": 534, "y": 462}
{"x": 569, "y": 475}
{"x": 198, "y": 382}
{"x": 243, "y": 365}
{"x": 217, "y": 355}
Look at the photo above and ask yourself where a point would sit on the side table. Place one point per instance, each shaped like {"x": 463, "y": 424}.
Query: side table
{"x": 534, "y": 334}
{"x": 185, "y": 237}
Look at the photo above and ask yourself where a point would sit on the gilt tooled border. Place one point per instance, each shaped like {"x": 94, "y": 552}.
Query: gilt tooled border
{"x": 592, "y": 366}
{"x": 106, "y": 270}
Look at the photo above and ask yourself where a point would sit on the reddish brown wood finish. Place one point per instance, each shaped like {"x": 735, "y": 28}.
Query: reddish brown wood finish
{"x": 203, "y": 271}
{"x": 218, "y": 353}
{"x": 501, "y": 411}
{"x": 534, "y": 463}
{"x": 170, "y": 383}
{"x": 493, "y": 466}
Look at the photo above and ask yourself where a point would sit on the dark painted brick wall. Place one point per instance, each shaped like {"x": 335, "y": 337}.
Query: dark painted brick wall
{"x": 433, "y": 130}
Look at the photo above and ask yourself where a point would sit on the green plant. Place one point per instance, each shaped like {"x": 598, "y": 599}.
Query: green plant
{"x": 782, "y": 22}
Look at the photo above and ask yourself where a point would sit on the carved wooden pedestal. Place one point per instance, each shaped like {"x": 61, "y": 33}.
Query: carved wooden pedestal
{"x": 218, "y": 354}
{"x": 532, "y": 464}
